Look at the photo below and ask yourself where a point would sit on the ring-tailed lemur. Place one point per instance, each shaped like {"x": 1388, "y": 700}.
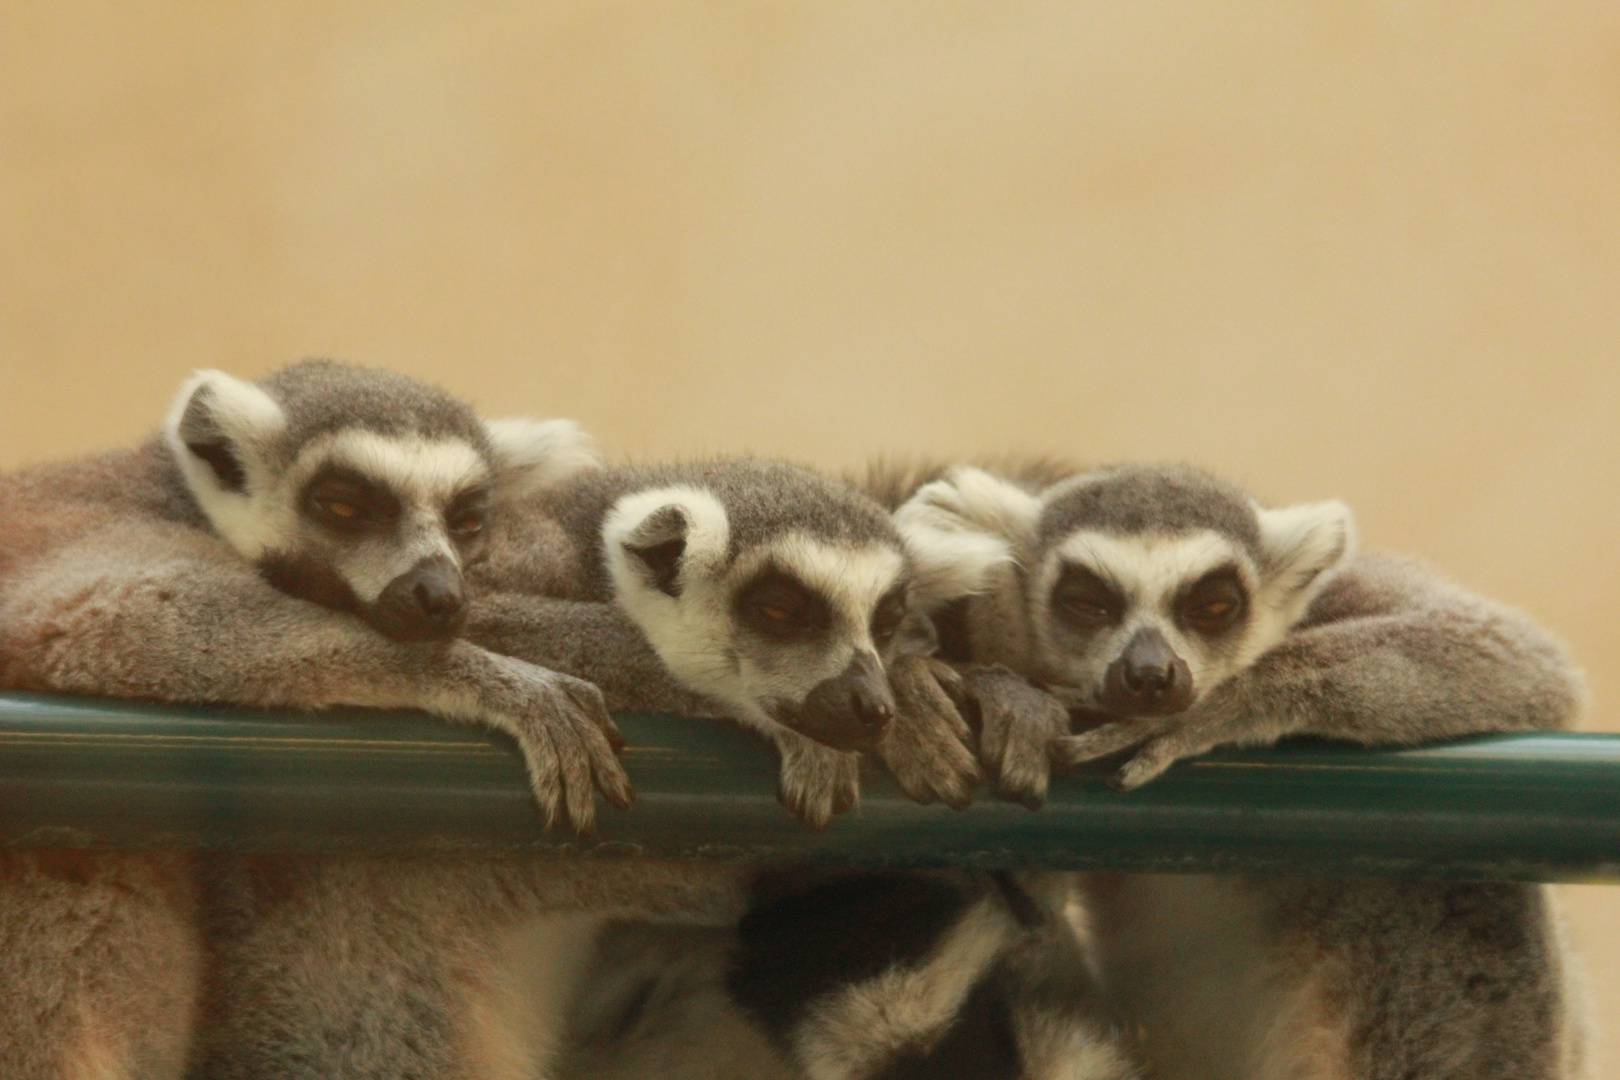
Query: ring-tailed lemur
{"x": 775, "y": 595}
{"x": 1192, "y": 618}
{"x": 743, "y": 588}
{"x": 852, "y": 976}
{"x": 300, "y": 542}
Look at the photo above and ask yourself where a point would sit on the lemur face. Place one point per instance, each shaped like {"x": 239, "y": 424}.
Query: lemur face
{"x": 1139, "y": 588}
{"x": 1142, "y": 625}
{"x": 376, "y": 512}
{"x": 795, "y": 630}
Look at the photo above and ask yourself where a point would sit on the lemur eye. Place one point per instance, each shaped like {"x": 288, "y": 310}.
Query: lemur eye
{"x": 468, "y": 513}
{"x": 346, "y": 501}
{"x": 890, "y": 613}
{"x": 1084, "y": 600}
{"x": 781, "y": 607}
{"x": 468, "y": 524}
{"x": 1215, "y": 603}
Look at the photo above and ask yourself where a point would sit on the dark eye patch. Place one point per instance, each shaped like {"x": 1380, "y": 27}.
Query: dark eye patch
{"x": 781, "y": 607}
{"x": 467, "y": 514}
{"x": 349, "y": 502}
{"x": 889, "y": 614}
{"x": 1213, "y": 604}
{"x": 1084, "y": 601}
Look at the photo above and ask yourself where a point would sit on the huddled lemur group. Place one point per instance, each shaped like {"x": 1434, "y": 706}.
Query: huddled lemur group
{"x": 335, "y": 535}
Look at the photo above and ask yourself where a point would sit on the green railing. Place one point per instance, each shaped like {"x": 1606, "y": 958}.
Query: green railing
{"x": 88, "y": 772}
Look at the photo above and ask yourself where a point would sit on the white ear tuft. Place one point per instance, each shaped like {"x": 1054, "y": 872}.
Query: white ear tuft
{"x": 961, "y": 529}
{"x": 219, "y": 428}
{"x": 221, "y": 431}
{"x": 653, "y": 538}
{"x": 1303, "y": 545}
{"x": 532, "y": 455}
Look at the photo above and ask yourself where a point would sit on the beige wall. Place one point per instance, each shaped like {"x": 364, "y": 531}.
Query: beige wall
{"x": 1358, "y": 249}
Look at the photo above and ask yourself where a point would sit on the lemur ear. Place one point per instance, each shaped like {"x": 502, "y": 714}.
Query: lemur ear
{"x": 960, "y": 529}
{"x": 535, "y": 454}
{"x": 219, "y": 429}
{"x": 657, "y": 544}
{"x": 1303, "y": 544}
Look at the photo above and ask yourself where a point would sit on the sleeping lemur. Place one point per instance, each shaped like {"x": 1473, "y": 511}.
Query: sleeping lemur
{"x": 300, "y": 541}
{"x": 1172, "y": 606}
{"x": 741, "y": 588}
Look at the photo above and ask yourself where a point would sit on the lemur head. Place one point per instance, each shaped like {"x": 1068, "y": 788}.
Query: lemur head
{"x": 359, "y": 489}
{"x": 1139, "y": 586}
{"x": 775, "y": 590}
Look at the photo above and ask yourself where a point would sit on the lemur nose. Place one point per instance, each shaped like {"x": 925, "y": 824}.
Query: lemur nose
{"x": 850, "y": 710}
{"x": 425, "y": 601}
{"x": 1147, "y": 678}
{"x": 437, "y": 596}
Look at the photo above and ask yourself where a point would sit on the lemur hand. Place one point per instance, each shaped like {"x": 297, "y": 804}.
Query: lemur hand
{"x": 563, "y": 729}
{"x": 1018, "y": 724}
{"x": 816, "y": 782}
{"x": 927, "y": 743}
{"x": 1161, "y": 741}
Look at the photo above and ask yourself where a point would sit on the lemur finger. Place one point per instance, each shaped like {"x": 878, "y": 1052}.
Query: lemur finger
{"x": 846, "y": 787}
{"x": 1148, "y": 763}
{"x": 1025, "y": 771}
{"x": 954, "y": 687}
{"x": 1100, "y": 742}
{"x": 544, "y": 772}
{"x": 575, "y": 772}
{"x": 595, "y": 727}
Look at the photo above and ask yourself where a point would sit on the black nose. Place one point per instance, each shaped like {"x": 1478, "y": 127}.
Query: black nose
{"x": 848, "y": 711}
{"x": 426, "y": 601}
{"x": 1147, "y": 679}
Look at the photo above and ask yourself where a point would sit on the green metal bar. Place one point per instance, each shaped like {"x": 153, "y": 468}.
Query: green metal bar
{"x": 87, "y": 772}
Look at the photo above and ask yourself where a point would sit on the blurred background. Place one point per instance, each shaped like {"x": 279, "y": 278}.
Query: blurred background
{"x": 1356, "y": 249}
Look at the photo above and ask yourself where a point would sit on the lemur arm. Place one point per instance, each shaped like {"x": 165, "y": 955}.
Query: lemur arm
{"x": 160, "y": 612}
{"x": 1389, "y": 654}
{"x": 588, "y": 639}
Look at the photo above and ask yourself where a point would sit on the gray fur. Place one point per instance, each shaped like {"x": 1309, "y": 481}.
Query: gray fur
{"x": 998, "y": 988}
{"x": 1135, "y": 499}
{"x": 1254, "y": 979}
{"x": 763, "y": 499}
{"x": 322, "y": 396}
{"x": 114, "y": 581}
{"x": 451, "y": 969}
{"x": 548, "y": 597}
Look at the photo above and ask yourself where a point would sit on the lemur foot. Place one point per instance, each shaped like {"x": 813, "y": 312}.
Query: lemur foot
{"x": 816, "y": 782}
{"x": 1159, "y": 742}
{"x": 927, "y": 744}
{"x": 1019, "y": 725}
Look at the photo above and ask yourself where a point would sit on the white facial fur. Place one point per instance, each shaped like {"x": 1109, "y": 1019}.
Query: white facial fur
{"x": 1149, "y": 572}
{"x": 1301, "y": 547}
{"x": 424, "y": 475}
{"x": 975, "y": 535}
{"x": 696, "y": 632}
{"x": 263, "y": 517}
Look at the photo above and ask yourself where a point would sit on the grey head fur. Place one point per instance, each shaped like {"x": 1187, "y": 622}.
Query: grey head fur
{"x": 1139, "y": 587}
{"x": 763, "y": 500}
{"x": 1132, "y": 499}
{"x": 359, "y": 489}
{"x": 768, "y": 587}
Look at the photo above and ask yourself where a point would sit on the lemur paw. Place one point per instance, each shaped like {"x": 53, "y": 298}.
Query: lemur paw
{"x": 816, "y": 782}
{"x": 1018, "y": 726}
{"x": 926, "y": 745}
{"x": 1160, "y": 742}
{"x": 568, "y": 740}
